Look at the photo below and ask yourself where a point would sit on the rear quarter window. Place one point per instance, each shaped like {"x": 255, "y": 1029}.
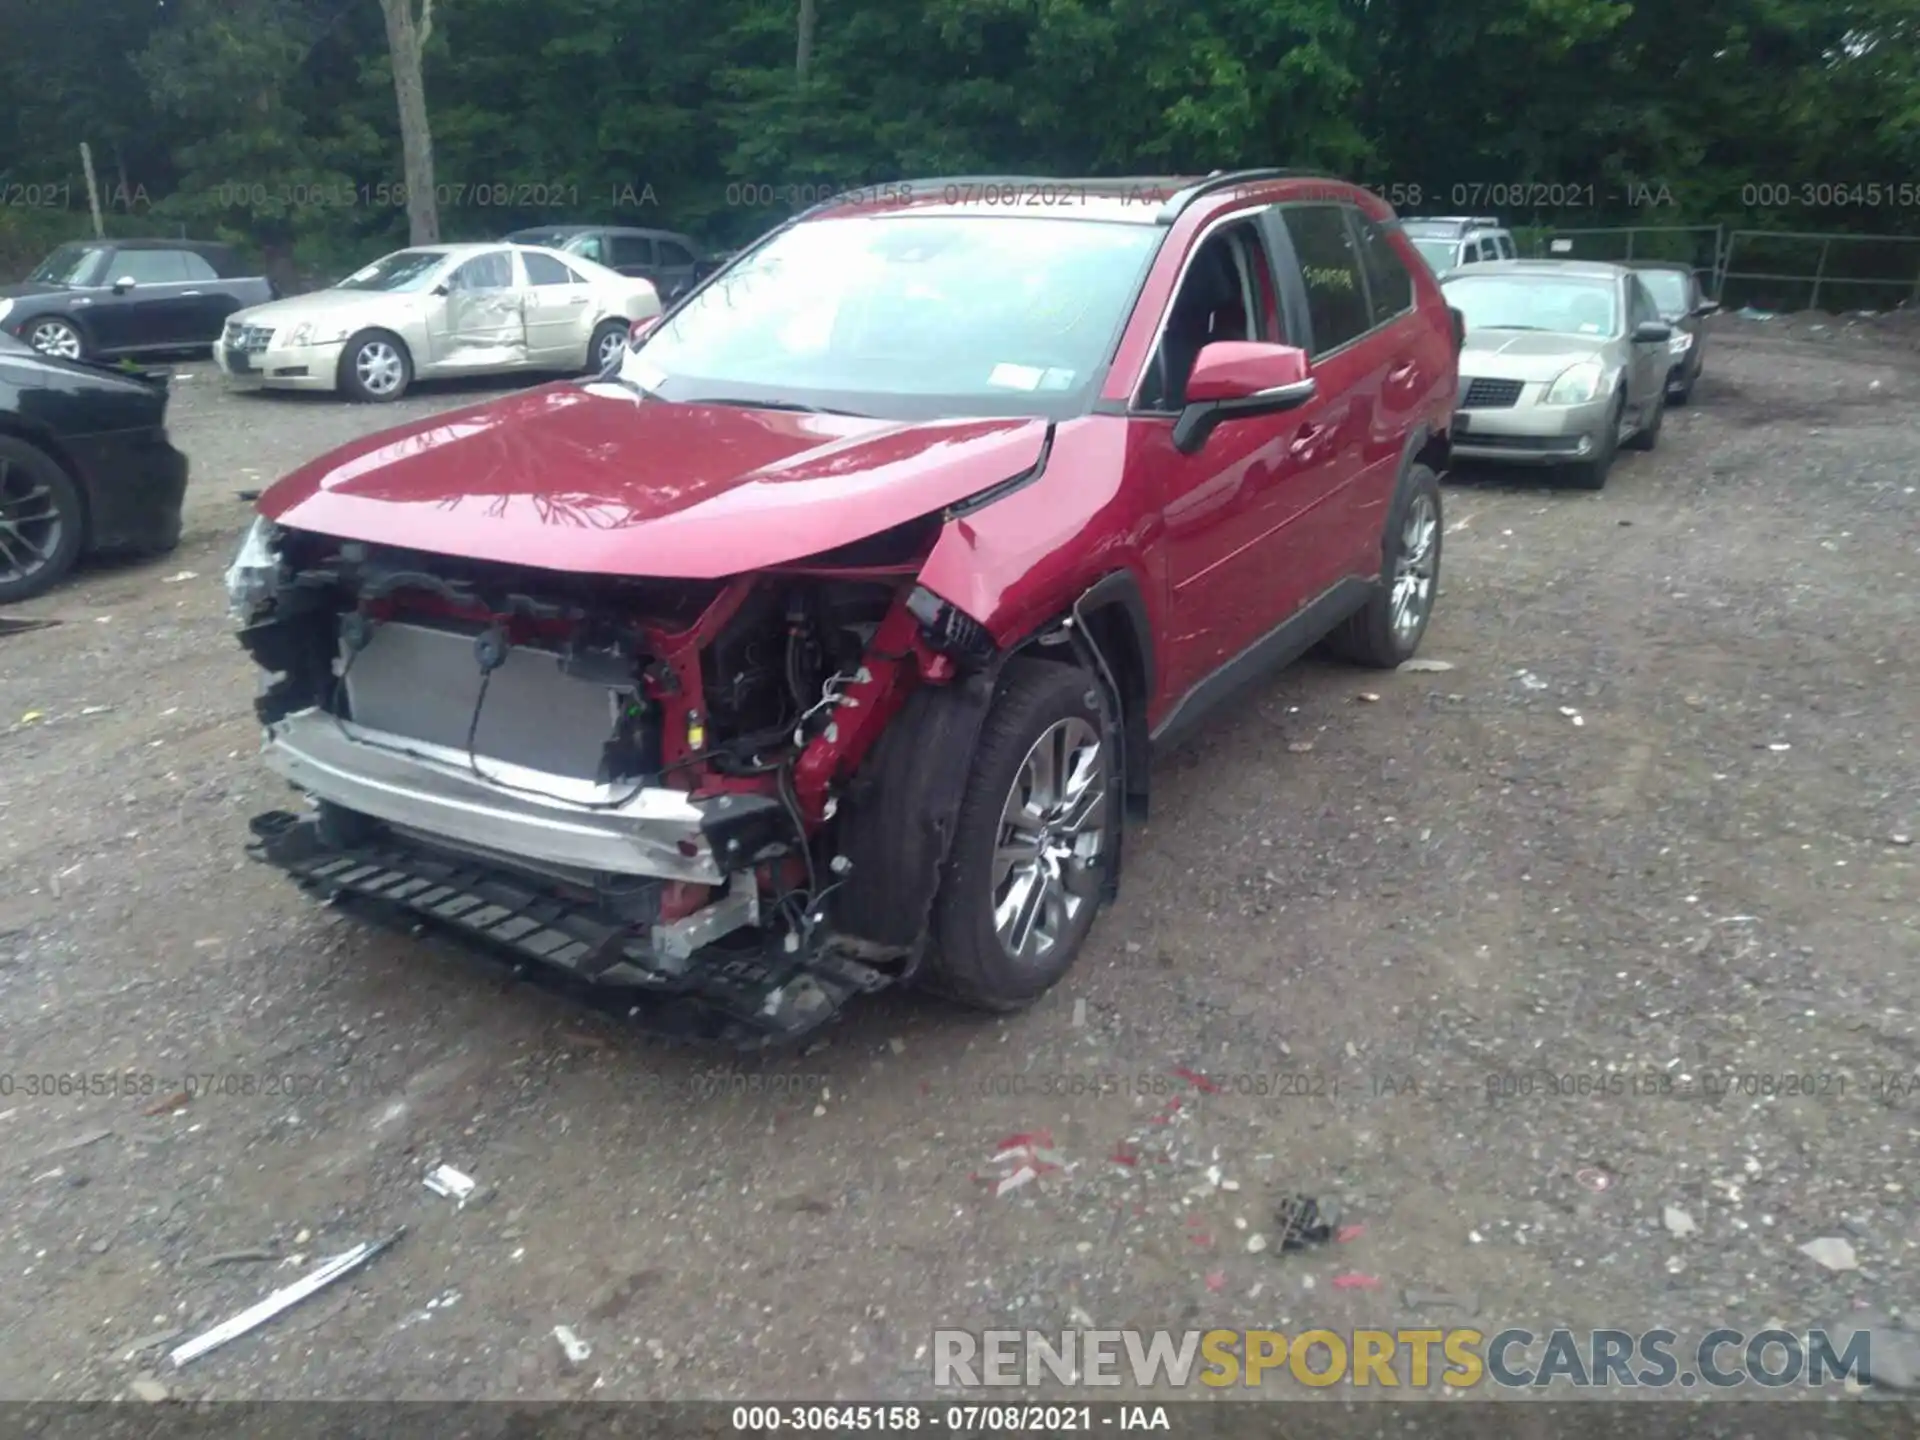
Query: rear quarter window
{"x": 1389, "y": 285}
{"x": 1331, "y": 272}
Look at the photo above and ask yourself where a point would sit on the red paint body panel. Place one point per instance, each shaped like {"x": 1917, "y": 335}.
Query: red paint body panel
{"x": 1233, "y": 369}
{"x": 596, "y": 481}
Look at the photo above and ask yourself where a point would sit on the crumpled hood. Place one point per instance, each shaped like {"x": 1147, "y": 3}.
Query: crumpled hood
{"x": 597, "y": 480}
{"x": 1526, "y": 354}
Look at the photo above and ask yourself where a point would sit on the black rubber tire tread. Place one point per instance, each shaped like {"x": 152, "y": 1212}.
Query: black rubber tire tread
{"x": 1649, "y": 436}
{"x": 349, "y": 377}
{"x": 1366, "y": 637}
{"x": 73, "y": 519}
{"x": 966, "y": 963}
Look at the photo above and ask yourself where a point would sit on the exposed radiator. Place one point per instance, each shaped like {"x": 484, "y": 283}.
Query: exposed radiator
{"x": 423, "y": 682}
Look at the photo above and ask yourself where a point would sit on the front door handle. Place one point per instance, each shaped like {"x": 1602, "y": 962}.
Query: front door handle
{"x": 1403, "y": 373}
{"x": 577, "y": 300}
{"x": 190, "y": 294}
{"x": 1304, "y": 442}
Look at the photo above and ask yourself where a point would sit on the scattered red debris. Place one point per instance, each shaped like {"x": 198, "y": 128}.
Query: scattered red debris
{"x": 1035, "y": 1140}
{"x": 1348, "y": 1233}
{"x": 1123, "y": 1156}
{"x": 1355, "y": 1282}
{"x": 1217, "y": 1280}
{"x": 1202, "y": 1239}
{"x": 1196, "y": 1079}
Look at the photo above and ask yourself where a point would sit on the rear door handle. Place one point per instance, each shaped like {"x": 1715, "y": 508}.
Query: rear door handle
{"x": 577, "y": 300}
{"x": 1399, "y": 375}
{"x": 1304, "y": 442}
{"x": 189, "y": 294}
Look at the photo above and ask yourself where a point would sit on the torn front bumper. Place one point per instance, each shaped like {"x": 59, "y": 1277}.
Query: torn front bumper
{"x": 666, "y": 978}
{"x": 511, "y": 810}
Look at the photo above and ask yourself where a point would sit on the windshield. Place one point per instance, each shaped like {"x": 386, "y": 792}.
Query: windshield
{"x": 554, "y": 239}
{"x": 1437, "y": 253}
{"x": 1565, "y": 305}
{"x": 908, "y": 317}
{"x": 402, "y": 270}
{"x": 73, "y": 265}
{"x": 1668, "y": 288}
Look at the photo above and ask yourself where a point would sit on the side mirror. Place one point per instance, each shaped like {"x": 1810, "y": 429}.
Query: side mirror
{"x": 640, "y": 329}
{"x": 442, "y": 289}
{"x": 1652, "y": 332}
{"x": 1234, "y": 379}
{"x": 123, "y": 284}
{"x": 1706, "y": 308}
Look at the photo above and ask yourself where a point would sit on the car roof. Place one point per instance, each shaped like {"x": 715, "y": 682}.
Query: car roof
{"x": 1449, "y": 224}
{"x": 1679, "y": 265}
{"x": 597, "y": 230}
{"x": 1577, "y": 269}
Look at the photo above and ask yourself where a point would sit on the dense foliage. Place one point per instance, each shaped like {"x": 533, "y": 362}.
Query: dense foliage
{"x": 274, "y": 121}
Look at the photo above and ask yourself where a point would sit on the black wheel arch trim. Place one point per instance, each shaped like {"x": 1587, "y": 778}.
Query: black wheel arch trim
{"x": 50, "y": 445}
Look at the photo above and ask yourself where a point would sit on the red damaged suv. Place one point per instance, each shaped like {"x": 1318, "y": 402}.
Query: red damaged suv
{"x": 820, "y": 643}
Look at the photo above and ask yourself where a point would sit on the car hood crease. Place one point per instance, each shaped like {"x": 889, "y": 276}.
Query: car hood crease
{"x": 596, "y": 479}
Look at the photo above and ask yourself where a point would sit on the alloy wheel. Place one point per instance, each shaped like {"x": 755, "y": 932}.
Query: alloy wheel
{"x": 1415, "y": 568}
{"x": 377, "y": 364}
{"x": 55, "y": 338}
{"x": 1052, "y": 827}
{"x": 611, "y": 344}
{"x": 30, "y": 524}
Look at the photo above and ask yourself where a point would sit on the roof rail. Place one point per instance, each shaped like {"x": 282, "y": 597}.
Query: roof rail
{"x": 933, "y": 185}
{"x": 1226, "y": 179}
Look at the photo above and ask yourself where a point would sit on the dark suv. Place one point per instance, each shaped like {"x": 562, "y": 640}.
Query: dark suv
{"x": 822, "y": 643}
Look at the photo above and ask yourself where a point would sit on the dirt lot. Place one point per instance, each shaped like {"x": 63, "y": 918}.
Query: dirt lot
{"x": 1651, "y": 824}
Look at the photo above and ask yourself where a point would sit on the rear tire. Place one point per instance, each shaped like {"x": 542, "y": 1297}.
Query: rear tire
{"x": 375, "y": 368}
{"x": 1593, "y": 474}
{"x": 1388, "y": 631}
{"x": 1037, "y": 827}
{"x": 609, "y": 339}
{"x": 42, "y": 521}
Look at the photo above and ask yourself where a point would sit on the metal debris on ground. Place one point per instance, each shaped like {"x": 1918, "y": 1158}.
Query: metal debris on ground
{"x": 571, "y": 1345}
{"x": 179, "y": 1100}
{"x": 1832, "y": 1252}
{"x": 180, "y": 575}
{"x": 1677, "y": 1221}
{"x": 1530, "y": 680}
{"x": 1080, "y": 1014}
{"x": 1594, "y": 1179}
{"x": 1299, "y": 747}
{"x": 1367, "y": 697}
{"x": 1301, "y": 1223}
{"x": 284, "y": 1298}
{"x": 447, "y": 1181}
{"x": 239, "y": 1257}
{"x": 1022, "y": 1159}
{"x": 1572, "y": 714}
{"x": 1427, "y": 667}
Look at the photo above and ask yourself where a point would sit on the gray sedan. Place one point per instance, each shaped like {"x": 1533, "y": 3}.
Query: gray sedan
{"x": 1565, "y": 361}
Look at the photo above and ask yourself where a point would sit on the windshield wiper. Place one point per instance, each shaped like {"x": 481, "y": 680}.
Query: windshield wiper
{"x": 793, "y": 405}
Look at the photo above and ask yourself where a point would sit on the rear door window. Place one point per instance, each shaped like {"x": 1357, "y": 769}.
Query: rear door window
{"x": 631, "y": 250}
{"x": 1389, "y": 286}
{"x": 1331, "y": 272}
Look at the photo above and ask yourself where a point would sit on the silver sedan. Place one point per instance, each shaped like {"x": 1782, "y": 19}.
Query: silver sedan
{"x": 1565, "y": 361}
{"x": 435, "y": 311}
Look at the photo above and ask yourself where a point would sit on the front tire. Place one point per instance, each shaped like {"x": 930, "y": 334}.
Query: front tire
{"x": 1036, "y": 829}
{"x": 1593, "y": 474}
{"x": 42, "y": 521}
{"x": 1648, "y": 435}
{"x": 1388, "y": 631}
{"x": 60, "y": 339}
{"x": 375, "y": 367}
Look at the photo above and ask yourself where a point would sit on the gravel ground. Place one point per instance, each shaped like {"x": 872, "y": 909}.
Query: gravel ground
{"x": 1649, "y": 827}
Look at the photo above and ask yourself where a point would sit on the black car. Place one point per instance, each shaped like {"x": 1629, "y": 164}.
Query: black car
{"x": 1675, "y": 287}
{"x": 95, "y": 298}
{"x": 673, "y": 263}
{"x": 85, "y": 466}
